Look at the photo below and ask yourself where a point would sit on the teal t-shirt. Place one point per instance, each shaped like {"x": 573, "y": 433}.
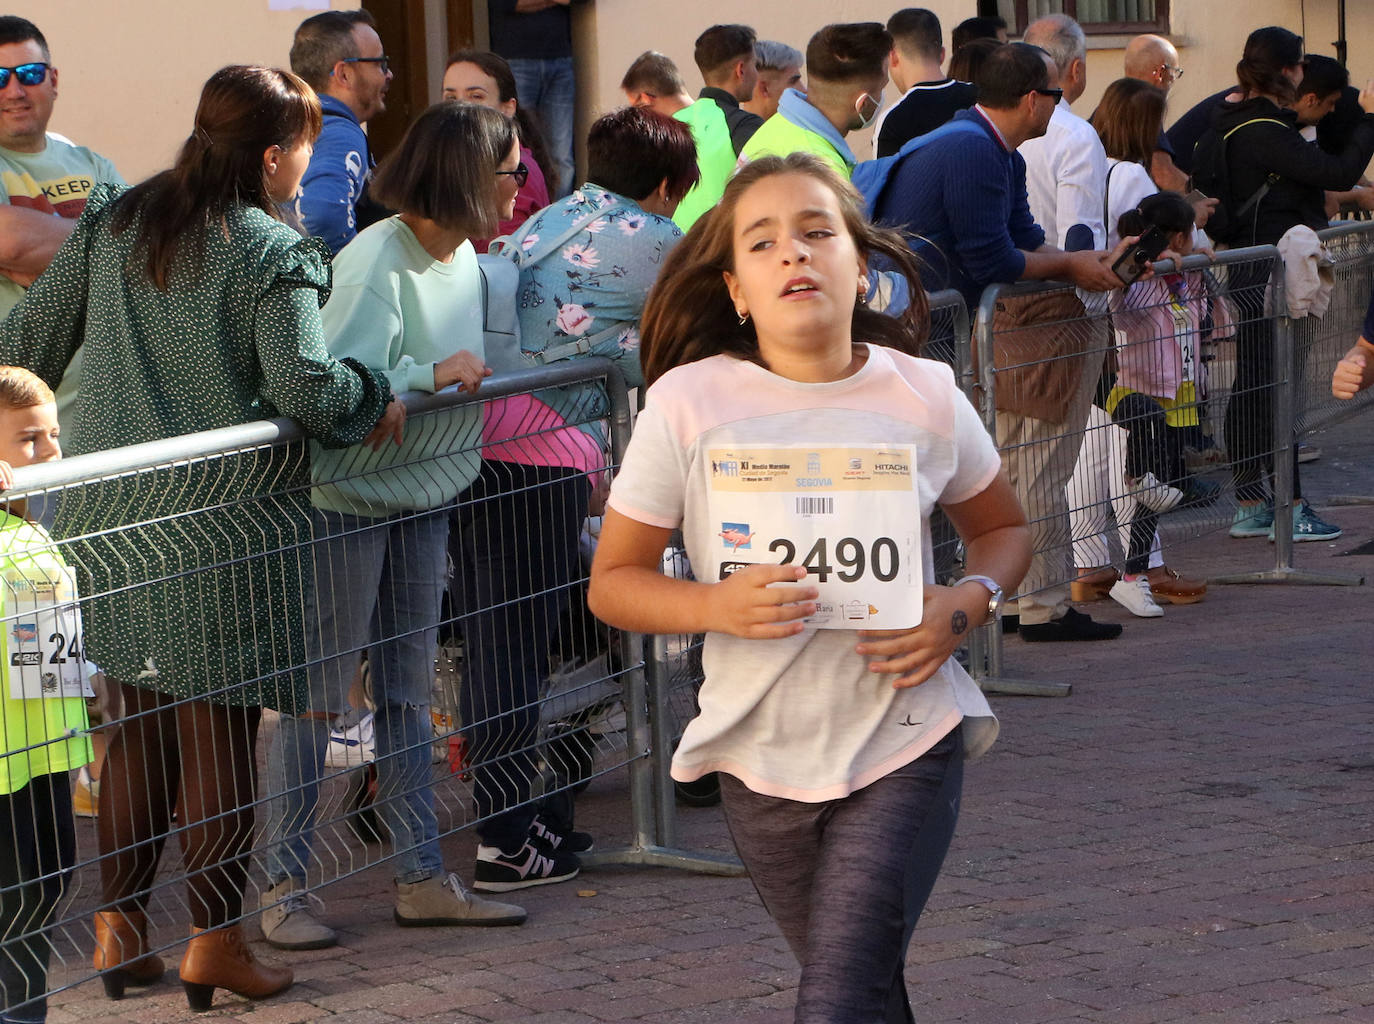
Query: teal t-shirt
{"x": 398, "y": 310}
{"x": 56, "y": 182}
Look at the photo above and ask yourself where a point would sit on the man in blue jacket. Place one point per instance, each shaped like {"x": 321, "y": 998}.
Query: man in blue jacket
{"x": 340, "y": 54}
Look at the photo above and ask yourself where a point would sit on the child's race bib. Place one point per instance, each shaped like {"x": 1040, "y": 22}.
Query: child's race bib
{"x": 851, "y": 516}
{"x": 43, "y": 637}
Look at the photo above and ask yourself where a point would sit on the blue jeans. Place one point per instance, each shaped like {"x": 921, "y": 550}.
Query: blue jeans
{"x": 378, "y": 584}
{"x": 548, "y": 87}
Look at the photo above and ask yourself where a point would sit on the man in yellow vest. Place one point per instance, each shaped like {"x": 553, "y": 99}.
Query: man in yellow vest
{"x": 720, "y": 128}
{"x": 846, "y": 69}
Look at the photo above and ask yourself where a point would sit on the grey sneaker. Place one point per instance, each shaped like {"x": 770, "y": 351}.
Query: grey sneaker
{"x": 289, "y": 921}
{"x": 442, "y": 900}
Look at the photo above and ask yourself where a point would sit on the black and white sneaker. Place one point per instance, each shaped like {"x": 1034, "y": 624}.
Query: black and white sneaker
{"x": 535, "y": 863}
{"x": 570, "y": 841}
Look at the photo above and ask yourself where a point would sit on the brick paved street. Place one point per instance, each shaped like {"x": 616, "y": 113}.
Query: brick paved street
{"x": 1188, "y": 837}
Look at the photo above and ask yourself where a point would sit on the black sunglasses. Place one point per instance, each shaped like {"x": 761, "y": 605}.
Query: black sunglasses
{"x": 1054, "y": 94}
{"x": 28, "y": 74}
{"x": 383, "y": 61}
{"x": 521, "y": 174}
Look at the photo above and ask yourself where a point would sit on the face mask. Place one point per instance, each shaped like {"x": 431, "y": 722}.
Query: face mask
{"x": 864, "y": 101}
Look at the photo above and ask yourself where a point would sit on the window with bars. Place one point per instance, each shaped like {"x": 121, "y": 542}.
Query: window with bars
{"x": 1096, "y": 16}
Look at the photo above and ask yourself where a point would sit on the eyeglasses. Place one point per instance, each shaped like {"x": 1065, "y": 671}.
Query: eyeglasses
{"x": 1176, "y": 72}
{"x": 521, "y": 174}
{"x": 28, "y": 74}
{"x": 384, "y": 62}
{"x": 1054, "y": 94}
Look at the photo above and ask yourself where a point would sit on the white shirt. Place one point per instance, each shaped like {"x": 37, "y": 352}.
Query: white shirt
{"x": 801, "y": 717}
{"x": 1066, "y": 171}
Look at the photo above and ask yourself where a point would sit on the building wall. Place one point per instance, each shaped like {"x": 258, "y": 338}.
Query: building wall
{"x": 130, "y": 72}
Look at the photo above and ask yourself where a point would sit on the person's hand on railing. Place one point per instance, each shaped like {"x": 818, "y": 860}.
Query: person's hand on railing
{"x": 6, "y": 475}
{"x": 1367, "y": 97}
{"x": 462, "y": 368}
{"x": 1354, "y": 372}
{"x": 391, "y": 425}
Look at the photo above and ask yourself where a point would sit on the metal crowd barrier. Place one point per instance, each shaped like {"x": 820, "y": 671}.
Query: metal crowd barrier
{"x": 203, "y": 547}
{"x": 1262, "y": 380}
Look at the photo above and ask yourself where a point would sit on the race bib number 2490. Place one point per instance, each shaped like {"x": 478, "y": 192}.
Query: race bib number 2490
{"x": 850, "y": 516}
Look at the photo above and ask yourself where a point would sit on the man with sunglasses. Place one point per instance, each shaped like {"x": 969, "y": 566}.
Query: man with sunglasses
{"x": 1154, "y": 59}
{"x": 44, "y": 178}
{"x": 340, "y": 55}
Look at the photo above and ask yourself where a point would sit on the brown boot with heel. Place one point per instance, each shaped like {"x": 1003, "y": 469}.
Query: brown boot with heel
{"x": 220, "y": 958}
{"x": 121, "y": 951}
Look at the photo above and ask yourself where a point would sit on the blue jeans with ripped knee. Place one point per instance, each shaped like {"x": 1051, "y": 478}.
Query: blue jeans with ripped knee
{"x": 378, "y": 587}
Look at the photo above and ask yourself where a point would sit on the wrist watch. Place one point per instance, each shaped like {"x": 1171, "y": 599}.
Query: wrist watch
{"x": 995, "y": 602}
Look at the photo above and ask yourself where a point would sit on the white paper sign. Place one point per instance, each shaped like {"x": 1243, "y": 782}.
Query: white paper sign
{"x": 43, "y": 635}
{"x": 851, "y": 516}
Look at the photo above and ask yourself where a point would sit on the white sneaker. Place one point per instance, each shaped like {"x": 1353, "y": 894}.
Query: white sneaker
{"x": 351, "y": 745}
{"x": 1136, "y": 597}
{"x": 1155, "y": 496}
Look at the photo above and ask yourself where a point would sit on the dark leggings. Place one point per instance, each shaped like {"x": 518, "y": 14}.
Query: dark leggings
{"x": 846, "y": 880}
{"x": 516, "y": 540}
{"x": 37, "y": 855}
{"x": 199, "y": 758}
{"x": 1152, "y": 446}
{"x": 1250, "y": 438}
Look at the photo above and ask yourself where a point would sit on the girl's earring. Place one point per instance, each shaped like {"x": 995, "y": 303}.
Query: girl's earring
{"x": 743, "y": 318}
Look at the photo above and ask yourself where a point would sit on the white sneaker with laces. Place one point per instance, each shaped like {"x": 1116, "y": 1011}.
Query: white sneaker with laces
{"x": 1155, "y": 496}
{"x": 1136, "y": 597}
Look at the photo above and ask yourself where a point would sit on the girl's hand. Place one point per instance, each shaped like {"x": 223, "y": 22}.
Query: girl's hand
{"x": 1346, "y": 382}
{"x": 918, "y": 653}
{"x": 743, "y": 604}
{"x": 391, "y": 425}
{"x": 462, "y": 368}
{"x": 6, "y": 475}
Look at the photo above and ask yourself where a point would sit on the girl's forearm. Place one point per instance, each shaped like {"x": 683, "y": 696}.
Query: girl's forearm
{"x": 643, "y": 600}
{"x": 1003, "y": 553}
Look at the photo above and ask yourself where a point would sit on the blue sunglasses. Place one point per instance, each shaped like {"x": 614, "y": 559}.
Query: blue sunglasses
{"x": 28, "y": 74}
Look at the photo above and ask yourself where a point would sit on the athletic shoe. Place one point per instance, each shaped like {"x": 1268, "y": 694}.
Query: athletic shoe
{"x": 1134, "y": 595}
{"x": 351, "y": 745}
{"x": 442, "y": 900}
{"x": 1307, "y": 525}
{"x": 1155, "y": 496}
{"x": 535, "y": 863}
{"x": 1074, "y": 625}
{"x": 567, "y": 840}
{"x": 289, "y": 921}
{"x": 86, "y": 795}
{"x": 1175, "y": 588}
{"x": 1254, "y": 521}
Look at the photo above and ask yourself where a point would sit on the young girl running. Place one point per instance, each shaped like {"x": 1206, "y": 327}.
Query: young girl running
{"x": 788, "y": 424}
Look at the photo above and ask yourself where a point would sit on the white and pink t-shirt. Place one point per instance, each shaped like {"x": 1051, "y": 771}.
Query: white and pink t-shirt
{"x": 802, "y": 718}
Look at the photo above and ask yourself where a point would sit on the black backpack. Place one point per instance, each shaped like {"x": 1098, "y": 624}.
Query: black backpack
{"x": 1212, "y": 177}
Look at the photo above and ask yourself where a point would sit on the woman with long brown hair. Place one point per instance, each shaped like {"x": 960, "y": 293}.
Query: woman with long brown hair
{"x": 192, "y": 306}
{"x": 787, "y": 423}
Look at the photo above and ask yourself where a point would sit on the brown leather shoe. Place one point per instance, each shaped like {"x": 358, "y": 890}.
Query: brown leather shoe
{"x": 121, "y": 951}
{"x": 1093, "y": 584}
{"x": 1174, "y": 588}
{"x": 220, "y": 958}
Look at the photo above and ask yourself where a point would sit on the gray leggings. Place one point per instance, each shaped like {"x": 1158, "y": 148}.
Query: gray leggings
{"x": 846, "y": 880}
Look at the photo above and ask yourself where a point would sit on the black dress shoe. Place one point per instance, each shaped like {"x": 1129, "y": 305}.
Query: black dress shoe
{"x": 1073, "y": 626}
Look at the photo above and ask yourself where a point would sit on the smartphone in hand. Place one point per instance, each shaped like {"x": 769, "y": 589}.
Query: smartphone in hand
{"x": 1133, "y": 261}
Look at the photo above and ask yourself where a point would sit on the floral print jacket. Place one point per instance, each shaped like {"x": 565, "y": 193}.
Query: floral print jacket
{"x": 598, "y": 279}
